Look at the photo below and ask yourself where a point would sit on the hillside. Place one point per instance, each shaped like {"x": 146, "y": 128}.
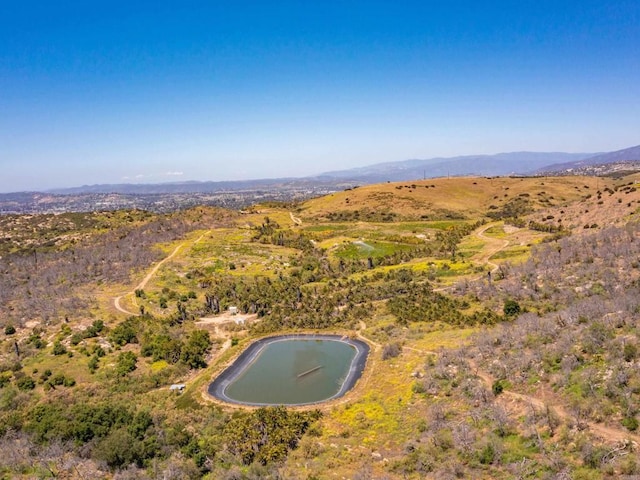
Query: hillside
{"x": 501, "y": 314}
{"x": 454, "y": 198}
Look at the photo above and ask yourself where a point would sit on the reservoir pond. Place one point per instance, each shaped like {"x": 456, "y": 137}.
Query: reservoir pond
{"x": 292, "y": 371}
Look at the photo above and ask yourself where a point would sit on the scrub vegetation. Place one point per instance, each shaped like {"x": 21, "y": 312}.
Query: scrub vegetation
{"x": 502, "y": 315}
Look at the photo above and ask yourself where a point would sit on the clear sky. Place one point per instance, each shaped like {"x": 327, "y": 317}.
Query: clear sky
{"x": 110, "y": 92}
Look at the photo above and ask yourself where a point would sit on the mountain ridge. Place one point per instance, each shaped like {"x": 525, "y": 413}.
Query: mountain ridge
{"x": 617, "y": 156}
{"x": 500, "y": 164}
{"x": 412, "y": 169}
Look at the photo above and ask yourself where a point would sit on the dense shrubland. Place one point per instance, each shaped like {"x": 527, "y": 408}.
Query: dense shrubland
{"x": 577, "y": 348}
{"x": 50, "y": 285}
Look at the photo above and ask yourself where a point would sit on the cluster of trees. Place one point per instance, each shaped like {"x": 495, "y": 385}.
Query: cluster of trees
{"x": 66, "y": 436}
{"x": 571, "y": 268}
{"x": 449, "y": 239}
{"x": 421, "y": 304}
{"x": 163, "y": 342}
{"x": 267, "y": 434}
{"x": 115, "y": 432}
{"x": 539, "y": 226}
{"x": 468, "y": 429}
{"x": 270, "y": 232}
{"x": 287, "y": 302}
{"x": 361, "y": 215}
{"x": 514, "y": 208}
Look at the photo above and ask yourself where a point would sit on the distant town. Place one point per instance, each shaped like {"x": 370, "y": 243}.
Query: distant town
{"x": 20, "y": 203}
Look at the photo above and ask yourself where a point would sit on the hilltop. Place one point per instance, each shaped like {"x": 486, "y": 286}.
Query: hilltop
{"x": 453, "y": 198}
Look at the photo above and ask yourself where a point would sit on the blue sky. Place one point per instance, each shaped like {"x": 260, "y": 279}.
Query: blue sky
{"x": 110, "y": 92}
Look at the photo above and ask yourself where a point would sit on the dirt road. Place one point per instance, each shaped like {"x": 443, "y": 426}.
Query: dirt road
{"x": 149, "y": 276}
{"x": 607, "y": 433}
{"x": 493, "y": 246}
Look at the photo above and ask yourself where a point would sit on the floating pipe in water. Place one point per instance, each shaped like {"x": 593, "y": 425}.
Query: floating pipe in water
{"x": 309, "y": 371}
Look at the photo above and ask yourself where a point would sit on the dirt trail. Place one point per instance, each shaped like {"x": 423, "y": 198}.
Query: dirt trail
{"x": 149, "y": 276}
{"x": 363, "y": 327}
{"x": 295, "y": 219}
{"x": 494, "y": 245}
{"x": 607, "y": 433}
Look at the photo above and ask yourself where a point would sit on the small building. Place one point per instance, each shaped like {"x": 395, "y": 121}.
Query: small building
{"x": 177, "y": 387}
{"x": 233, "y": 310}
{"x": 239, "y": 320}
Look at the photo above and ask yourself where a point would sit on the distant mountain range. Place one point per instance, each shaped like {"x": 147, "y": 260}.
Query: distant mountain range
{"x": 515, "y": 163}
{"x": 500, "y": 164}
{"x": 626, "y": 155}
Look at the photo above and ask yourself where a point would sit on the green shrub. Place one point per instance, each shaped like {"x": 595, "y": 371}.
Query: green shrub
{"x": 125, "y": 333}
{"x": 391, "y": 350}
{"x": 93, "y": 363}
{"x": 59, "y": 349}
{"x": 630, "y": 423}
{"x": 487, "y": 454}
{"x": 497, "y": 387}
{"x": 25, "y": 383}
{"x": 630, "y": 352}
{"x": 511, "y": 308}
{"x": 126, "y": 363}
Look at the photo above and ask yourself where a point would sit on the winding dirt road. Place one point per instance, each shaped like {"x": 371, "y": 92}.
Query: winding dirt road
{"x": 295, "y": 219}
{"x": 149, "y": 276}
{"x": 494, "y": 245}
{"x": 607, "y": 433}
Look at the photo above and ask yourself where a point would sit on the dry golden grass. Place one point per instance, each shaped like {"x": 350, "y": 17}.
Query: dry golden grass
{"x": 611, "y": 202}
{"x": 373, "y": 428}
{"x": 470, "y": 197}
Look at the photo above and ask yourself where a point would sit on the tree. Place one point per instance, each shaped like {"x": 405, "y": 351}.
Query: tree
{"x": 511, "y": 308}
{"x": 630, "y": 352}
{"x": 497, "y": 387}
{"x": 126, "y": 363}
{"x": 125, "y": 333}
{"x": 195, "y": 349}
{"x": 118, "y": 449}
{"x": 266, "y": 434}
{"x": 391, "y": 350}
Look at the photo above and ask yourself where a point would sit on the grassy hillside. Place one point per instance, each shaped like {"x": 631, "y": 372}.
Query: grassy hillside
{"x": 441, "y": 198}
{"x": 503, "y": 334}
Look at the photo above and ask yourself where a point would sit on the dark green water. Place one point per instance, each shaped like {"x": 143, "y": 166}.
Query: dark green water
{"x": 277, "y": 375}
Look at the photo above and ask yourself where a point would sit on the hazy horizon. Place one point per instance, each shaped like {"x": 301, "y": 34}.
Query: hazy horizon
{"x": 217, "y": 91}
